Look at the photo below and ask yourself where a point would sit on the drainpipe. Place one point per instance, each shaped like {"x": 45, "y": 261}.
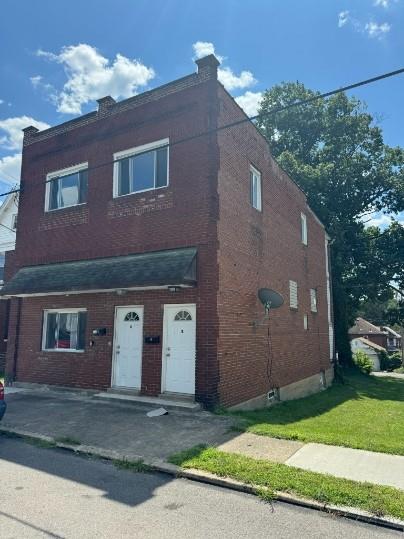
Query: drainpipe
{"x": 10, "y": 377}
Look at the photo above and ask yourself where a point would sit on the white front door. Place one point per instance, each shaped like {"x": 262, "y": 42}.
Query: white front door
{"x": 127, "y": 354}
{"x": 179, "y": 349}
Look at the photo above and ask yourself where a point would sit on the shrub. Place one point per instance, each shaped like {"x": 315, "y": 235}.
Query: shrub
{"x": 389, "y": 362}
{"x": 363, "y": 362}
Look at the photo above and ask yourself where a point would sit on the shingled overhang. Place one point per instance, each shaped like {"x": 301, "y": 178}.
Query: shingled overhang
{"x": 160, "y": 269}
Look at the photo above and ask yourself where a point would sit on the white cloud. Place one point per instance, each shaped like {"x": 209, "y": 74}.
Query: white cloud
{"x": 371, "y": 29}
{"x": 375, "y": 30}
{"x": 384, "y": 3}
{"x": 226, "y": 76}
{"x": 250, "y": 102}
{"x": 382, "y": 220}
{"x": 10, "y": 168}
{"x": 204, "y": 48}
{"x": 343, "y": 18}
{"x": 231, "y": 81}
{"x": 91, "y": 76}
{"x": 1, "y": 101}
{"x": 11, "y": 134}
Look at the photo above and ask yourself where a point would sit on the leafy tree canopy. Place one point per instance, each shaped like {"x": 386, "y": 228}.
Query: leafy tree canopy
{"x": 334, "y": 150}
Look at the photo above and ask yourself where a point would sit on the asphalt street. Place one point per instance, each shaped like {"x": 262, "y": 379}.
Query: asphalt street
{"x": 51, "y": 493}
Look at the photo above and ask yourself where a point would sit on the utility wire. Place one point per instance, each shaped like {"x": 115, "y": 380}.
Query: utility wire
{"x": 257, "y": 116}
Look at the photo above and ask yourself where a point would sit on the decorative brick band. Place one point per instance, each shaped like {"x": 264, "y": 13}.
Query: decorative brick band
{"x": 138, "y": 206}
{"x": 68, "y": 217}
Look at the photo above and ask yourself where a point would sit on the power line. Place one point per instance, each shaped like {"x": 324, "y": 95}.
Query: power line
{"x": 257, "y": 116}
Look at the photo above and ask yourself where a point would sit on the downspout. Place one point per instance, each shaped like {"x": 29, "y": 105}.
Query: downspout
{"x": 10, "y": 379}
{"x": 330, "y": 301}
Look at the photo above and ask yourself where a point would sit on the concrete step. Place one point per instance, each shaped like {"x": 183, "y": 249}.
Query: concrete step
{"x": 158, "y": 402}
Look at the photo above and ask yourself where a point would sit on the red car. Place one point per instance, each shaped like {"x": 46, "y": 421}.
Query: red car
{"x": 3, "y": 404}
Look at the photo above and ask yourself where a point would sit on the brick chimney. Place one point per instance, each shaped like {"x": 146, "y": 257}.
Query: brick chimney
{"x": 29, "y": 134}
{"x": 207, "y": 66}
{"x": 105, "y": 104}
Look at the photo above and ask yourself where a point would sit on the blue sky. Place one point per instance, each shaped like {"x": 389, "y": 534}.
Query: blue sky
{"x": 57, "y": 57}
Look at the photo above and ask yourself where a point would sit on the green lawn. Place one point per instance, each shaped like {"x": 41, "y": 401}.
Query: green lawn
{"x": 365, "y": 413}
{"x": 270, "y": 476}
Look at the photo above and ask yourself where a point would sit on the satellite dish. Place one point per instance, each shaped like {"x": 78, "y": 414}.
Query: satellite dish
{"x": 269, "y": 298}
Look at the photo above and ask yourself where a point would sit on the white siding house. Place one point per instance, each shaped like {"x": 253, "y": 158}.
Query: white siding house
{"x": 8, "y": 227}
{"x": 370, "y": 348}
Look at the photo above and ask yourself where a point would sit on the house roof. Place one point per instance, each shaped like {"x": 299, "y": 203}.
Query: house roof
{"x": 155, "y": 269}
{"x": 7, "y": 202}
{"x": 371, "y": 344}
{"x": 364, "y": 327}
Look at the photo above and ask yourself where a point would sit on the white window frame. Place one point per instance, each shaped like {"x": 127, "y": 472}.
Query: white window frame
{"x": 44, "y": 329}
{"x": 305, "y": 322}
{"x": 303, "y": 222}
{"x": 14, "y": 221}
{"x": 293, "y": 288}
{"x": 313, "y": 300}
{"x": 57, "y": 174}
{"x": 258, "y": 175}
{"x": 134, "y": 151}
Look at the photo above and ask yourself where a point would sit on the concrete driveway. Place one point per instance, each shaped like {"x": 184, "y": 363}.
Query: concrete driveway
{"x": 115, "y": 426}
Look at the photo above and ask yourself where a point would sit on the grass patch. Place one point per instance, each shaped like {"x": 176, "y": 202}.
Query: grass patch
{"x": 364, "y": 413}
{"x": 67, "y": 440}
{"x": 269, "y": 477}
{"x": 137, "y": 466}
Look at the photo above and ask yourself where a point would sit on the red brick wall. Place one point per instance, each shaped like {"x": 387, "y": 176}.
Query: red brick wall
{"x": 381, "y": 340}
{"x": 92, "y": 368}
{"x": 255, "y": 249}
{"x": 183, "y": 214}
{"x": 264, "y": 249}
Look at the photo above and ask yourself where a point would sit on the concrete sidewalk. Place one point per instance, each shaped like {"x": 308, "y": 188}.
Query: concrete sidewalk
{"x": 356, "y": 464}
{"x": 124, "y": 430}
{"x": 121, "y": 427}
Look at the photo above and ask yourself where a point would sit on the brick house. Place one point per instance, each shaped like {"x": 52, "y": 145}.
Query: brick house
{"x": 367, "y": 330}
{"x": 141, "y": 248}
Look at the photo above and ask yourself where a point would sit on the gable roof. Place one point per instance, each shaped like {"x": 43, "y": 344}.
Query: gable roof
{"x": 364, "y": 327}
{"x": 392, "y": 332}
{"x": 371, "y": 344}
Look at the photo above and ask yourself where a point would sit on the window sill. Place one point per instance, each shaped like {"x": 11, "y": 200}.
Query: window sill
{"x": 66, "y": 208}
{"x": 61, "y": 350}
{"x": 294, "y": 309}
{"x": 116, "y": 197}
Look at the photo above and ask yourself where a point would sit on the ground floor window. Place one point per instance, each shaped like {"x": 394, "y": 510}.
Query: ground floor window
{"x": 64, "y": 330}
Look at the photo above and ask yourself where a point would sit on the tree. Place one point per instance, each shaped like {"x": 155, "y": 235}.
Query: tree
{"x": 335, "y": 152}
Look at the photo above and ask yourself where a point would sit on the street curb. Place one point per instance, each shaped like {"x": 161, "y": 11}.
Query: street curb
{"x": 211, "y": 479}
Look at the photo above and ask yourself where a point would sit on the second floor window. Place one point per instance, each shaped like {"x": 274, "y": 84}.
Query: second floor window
{"x": 303, "y": 221}
{"x": 67, "y": 187}
{"x": 255, "y": 187}
{"x": 313, "y": 300}
{"x": 141, "y": 169}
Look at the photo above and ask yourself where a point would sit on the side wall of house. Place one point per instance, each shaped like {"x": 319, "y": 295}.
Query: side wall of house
{"x": 264, "y": 249}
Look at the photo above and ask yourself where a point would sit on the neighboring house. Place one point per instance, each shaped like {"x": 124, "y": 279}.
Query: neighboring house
{"x": 394, "y": 339}
{"x": 370, "y": 348}
{"x": 363, "y": 328}
{"x": 8, "y": 227}
{"x": 141, "y": 248}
